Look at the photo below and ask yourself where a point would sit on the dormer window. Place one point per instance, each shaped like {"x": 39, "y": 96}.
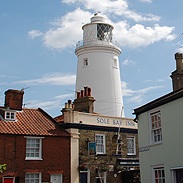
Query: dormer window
{"x": 10, "y": 115}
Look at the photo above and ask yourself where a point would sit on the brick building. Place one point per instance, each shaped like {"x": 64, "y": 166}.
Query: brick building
{"x": 33, "y": 146}
{"x": 106, "y": 146}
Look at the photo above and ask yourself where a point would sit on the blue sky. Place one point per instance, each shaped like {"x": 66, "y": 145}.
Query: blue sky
{"x": 38, "y": 38}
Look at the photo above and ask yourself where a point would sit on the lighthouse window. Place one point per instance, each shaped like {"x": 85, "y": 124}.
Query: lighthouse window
{"x": 115, "y": 63}
{"x": 85, "y": 62}
{"x": 104, "y": 32}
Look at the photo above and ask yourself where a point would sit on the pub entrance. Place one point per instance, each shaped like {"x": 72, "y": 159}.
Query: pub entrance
{"x": 132, "y": 176}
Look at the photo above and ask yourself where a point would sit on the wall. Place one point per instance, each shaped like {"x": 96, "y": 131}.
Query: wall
{"x": 94, "y": 161}
{"x": 55, "y": 153}
{"x": 169, "y": 152}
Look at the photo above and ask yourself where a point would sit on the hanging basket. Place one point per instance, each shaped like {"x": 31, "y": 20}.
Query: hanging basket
{"x": 119, "y": 168}
{"x": 83, "y": 167}
{"x": 104, "y": 168}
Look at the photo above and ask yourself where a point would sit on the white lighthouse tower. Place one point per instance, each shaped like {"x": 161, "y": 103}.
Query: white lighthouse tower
{"x": 98, "y": 67}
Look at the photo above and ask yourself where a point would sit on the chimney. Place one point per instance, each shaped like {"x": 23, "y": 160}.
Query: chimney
{"x": 14, "y": 99}
{"x": 177, "y": 75}
{"x": 84, "y": 101}
{"x": 68, "y": 106}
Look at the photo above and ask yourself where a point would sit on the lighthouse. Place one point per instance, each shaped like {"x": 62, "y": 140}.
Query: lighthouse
{"x": 98, "y": 67}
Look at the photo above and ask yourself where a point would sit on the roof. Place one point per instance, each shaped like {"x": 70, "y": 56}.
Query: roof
{"x": 159, "y": 101}
{"x": 32, "y": 122}
{"x": 59, "y": 119}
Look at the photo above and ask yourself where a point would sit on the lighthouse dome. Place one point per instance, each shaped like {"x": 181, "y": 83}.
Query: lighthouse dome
{"x": 96, "y": 18}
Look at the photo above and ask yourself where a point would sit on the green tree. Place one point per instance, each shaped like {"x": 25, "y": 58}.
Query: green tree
{"x": 2, "y": 167}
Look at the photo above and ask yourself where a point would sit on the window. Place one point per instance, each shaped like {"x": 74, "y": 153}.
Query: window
{"x": 32, "y": 177}
{"x": 177, "y": 175}
{"x": 9, "y": 115}
{"x": 85, "y": 62}
{"x": 131, "y": 149}
{"x": 156, "y": 130}
{"x": 33, "y": 148}
{"x": 104, "y": 32}
{"x": 115, "y": 63}
{"x": 159, "y": 175}
{"x": 56, "y": 178}
{"x": 100, "y": 143}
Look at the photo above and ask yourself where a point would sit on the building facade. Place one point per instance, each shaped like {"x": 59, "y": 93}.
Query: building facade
{"x": 107, "y": 147}
{"x": 159, "y": 132}
{"x": 33, "y": 146}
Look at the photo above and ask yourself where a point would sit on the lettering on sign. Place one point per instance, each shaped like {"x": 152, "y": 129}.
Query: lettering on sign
{"x": 102, "y": 120}
{"x": 142, "y": 149}
{"x": 115, "y": 122}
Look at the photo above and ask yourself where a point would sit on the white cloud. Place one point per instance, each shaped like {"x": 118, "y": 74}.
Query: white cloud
{"x": 116, "y": 7}
{"x": 138, "y": 95}
{"x": 34, "y": 33}
{"x": 66, "y": 31}
{"x": 138, "y": 35}
{"x": 180, "y": 49}
{"x": 52, "y": 79}
{"x": 54, "y": 103}
{"x": 128, "y": 62}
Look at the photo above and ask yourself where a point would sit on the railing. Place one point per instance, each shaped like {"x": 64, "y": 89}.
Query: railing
{"x": 96, "y": 41}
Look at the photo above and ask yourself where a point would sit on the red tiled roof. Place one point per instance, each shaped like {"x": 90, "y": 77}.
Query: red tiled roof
{"x": 32, "y": 122}
{"x": 59, "y": 119}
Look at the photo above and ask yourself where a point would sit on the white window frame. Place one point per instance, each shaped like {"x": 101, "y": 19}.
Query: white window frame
{"x": 134, "y": 146}
{"x": 10, "y": 115}
{"x": 33, "y": 173}
{"x": 102, "y": 175}
{"x": 115, "y": 62}
{"x": 155, "y": 127}
{"x": 100, "y": 144}
{"x": 57, "y": 175}
{"x": 159, "y": 169}
{"x": 173, "y": 173}
{"x": 39, "y": 148}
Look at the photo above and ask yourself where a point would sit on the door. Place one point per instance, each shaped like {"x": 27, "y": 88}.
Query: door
{"x": 83, "y": 177}
{"x": 131, "y": 176}
{"x": 56, "y": 178}
{"x": 8, "y": 179}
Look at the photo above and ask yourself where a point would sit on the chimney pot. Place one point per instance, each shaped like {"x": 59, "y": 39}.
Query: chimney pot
{"x": 85, "y": 91}
{"x": 179, "y": 61}
{"x": 66, "y": 105}
{"x": 89, "y": 92}
{"x": 82, "y": 93}
{"x": 78, "y": 94}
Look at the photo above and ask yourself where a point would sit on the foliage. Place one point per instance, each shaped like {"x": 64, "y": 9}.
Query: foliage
{"x": 83, "y": 167}
{"x": 2, "y": 167}
{"x": 104, "y": 167}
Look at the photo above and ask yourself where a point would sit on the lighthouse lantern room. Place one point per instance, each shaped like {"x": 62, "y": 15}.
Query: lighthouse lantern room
{"x": 98, "y": 67}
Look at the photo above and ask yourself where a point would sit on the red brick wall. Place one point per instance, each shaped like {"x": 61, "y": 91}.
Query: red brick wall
{"x": 14, "y": 99}
{"x": 55, "y": 154}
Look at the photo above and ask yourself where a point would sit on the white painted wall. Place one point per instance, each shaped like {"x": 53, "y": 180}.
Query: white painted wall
{"x": 100, "y": 75}
{"x": 169, "y": 152}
